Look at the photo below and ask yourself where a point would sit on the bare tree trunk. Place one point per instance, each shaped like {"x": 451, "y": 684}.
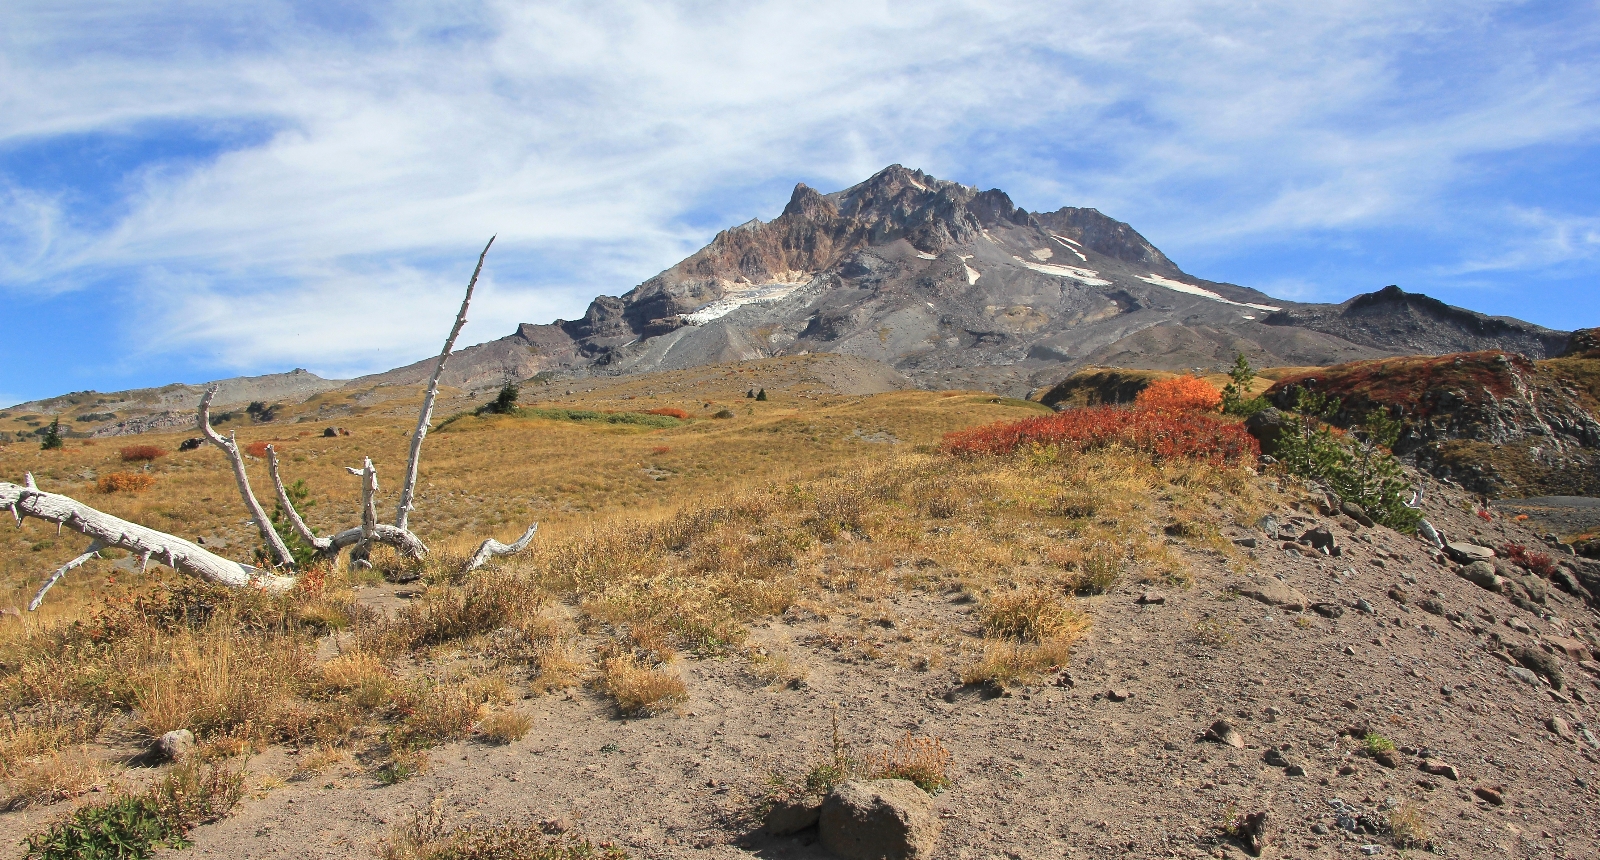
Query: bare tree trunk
{"x": 110, "y": 531}
{"x": 402, "y": 516}
{"x": 269, "y": 536}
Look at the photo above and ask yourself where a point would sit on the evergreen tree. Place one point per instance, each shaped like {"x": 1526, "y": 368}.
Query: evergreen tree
{"x": 52, "y": 436}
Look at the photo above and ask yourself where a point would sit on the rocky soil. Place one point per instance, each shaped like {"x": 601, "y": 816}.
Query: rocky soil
{"x": 1487, "y": 697}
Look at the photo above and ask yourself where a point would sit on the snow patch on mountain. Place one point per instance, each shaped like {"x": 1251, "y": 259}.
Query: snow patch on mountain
{"x": 1086, "y": 276}
{"x": 1202, "y": 292}
{"x": 739, "y": 295}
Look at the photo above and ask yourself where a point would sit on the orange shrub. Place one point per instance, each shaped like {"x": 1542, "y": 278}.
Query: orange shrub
{"x": 257, "y": 449}
{"x": 670, "y": 412}
{"x": 1180, "y": 394}
{"x": 125, "y": 482}
{"x": 141, "y": 453}
{"x": 1163, "y": 435}
{"x": 661, "y": 449}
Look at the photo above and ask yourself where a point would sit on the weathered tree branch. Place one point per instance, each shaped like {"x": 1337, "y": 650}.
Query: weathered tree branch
{"x": 492, "y": 548}
{"x": 321, "y": 544}
{"x": 110, "y": 531}
{"x": 94, "y": 549}
{"x": 402, "y": 515}
{"x": 269, "y": 536}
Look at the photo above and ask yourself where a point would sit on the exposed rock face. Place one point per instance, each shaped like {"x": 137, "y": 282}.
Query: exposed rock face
{"x": 1495, "y": 421}
{"x": 1583, "y": 343}
{"x": 957, "y": 287}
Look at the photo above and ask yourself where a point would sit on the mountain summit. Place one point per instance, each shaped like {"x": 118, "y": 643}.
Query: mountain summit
{"x": 957, "y": 287}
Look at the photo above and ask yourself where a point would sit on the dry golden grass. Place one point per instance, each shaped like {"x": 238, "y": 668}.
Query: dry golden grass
{"x": 781, "y": 505}
{"x": 924, "y": 761}
{"x": 1033, "y": 613}
{"x": 125, "y": 482}
{"x": 1006, "y": 661}
{"x": 505, "y": 726}
{"x": 56, "y": 775}
{"x": 638, "y": 689}
{"x": 1409, "y": 827}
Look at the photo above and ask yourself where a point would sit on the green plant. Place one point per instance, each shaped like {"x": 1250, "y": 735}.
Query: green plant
{"x": 132, "y": 826}
{"x": 839, "y": 766}
{"x": 401, "y": 766}
{"x": 761, "y": 395}
{"x": 1361, "y": 470}
{"x": 504, "y": 403}
{"x": 52, "y": 436}
{"x": 305, "y": 555}
{"x": 1236, "y": 399}
{"x": 1376, "y": 744}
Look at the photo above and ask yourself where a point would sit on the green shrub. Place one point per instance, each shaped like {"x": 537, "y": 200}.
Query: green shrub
{"x": 131, "y": 827}
{"x": 1358, "y": 468}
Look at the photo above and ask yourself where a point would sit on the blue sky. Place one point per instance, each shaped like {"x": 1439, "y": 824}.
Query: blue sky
{"x": 196, "y": 190}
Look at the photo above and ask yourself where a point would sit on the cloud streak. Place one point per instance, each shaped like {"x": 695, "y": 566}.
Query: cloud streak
{"x": 605, "y": 143}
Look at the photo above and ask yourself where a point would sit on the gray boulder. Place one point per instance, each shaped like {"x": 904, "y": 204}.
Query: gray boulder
{"x": 176, "y": 744}
{"x": 1481, "y": 574}
{"x": 1467, "y": 553}
{"x": 878, "y": 819}
{"x": 1268, "y": 426}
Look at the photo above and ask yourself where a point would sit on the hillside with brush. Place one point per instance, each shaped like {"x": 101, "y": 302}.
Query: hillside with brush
{"x": 1109, "y": 631}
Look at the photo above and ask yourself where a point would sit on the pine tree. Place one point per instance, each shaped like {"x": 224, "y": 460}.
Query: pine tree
{"x": 52, "y": 436}
{"x": 762, "y": 394}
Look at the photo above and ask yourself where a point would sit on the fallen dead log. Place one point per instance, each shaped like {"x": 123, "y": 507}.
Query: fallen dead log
{"x": 107, "y": 531}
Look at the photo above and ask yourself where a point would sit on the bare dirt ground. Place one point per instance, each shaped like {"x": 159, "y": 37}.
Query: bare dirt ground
{"x": 1053, "y": 770}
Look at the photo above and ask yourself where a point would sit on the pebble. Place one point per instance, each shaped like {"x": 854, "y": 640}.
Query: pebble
{"x": 1223, "y": 732}
{"x": 1560, "y": 728}
{"x": 1435, "y": 767}
{"x": 1490, "y": 794}
{"x": 1118, "y": 694}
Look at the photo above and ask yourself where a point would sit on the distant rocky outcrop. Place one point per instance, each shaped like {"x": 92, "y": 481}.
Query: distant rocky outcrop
{"x": 1396, "y": 321}
{"x": 1495, "y": 421}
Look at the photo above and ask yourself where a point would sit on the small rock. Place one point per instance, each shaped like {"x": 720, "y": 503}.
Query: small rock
{"x": 1560, "y": 728}
{"x": 554, "y": 826}
{"x": 1363, "y": 606}
{"x": 1119, "y": 694}
{"x": 1467, "y": 553}
{"x": 1320, "y": 539}
{"x": 792, "y": 815}
{"x": 1357, "y": 513}
{"x": 1523, "y": 675}
{"x": 1254, "y": 832}
{"x": 1247, "y": 543}
{"x": 1589, "y": 738}
{"x": 1346, "y": 769}
{"x": 1540, "y": 663}
{"x": 1434, "y": 767}
{"x": 878, "y": 819}
{"x": 1152, "y": 598}
{"x": 1386, "y": 758}
{"x": 1570, "y": 647}
{"x": 1275, "y": 593}
{"x": 1223, "y": 732}
{"x": 191, "y": 444}
{"x": 1294, "y": 770}
{"x": 1319, "y": 830}
{"x": 1481, "y": 574}
{"x": 980, "y": 691}
{"x": 1274, "y": 757}
{"x": 1431, "y": 606}
{"x": 1491, "y": 794}
{"x": 1371, "y": 850}
{"x": 176, "y": 744}
{"x": 1328, "y": 610}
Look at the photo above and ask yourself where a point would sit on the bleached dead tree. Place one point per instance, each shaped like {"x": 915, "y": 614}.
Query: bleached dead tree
{"x": 107, "y": 531}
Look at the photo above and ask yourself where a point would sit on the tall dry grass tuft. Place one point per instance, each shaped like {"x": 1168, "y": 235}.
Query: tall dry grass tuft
{"x": 125, "y": 482}
{"x": 55, "y": 775}
{"x": 1033, "y": 613}
{"x": 640, "y": 690}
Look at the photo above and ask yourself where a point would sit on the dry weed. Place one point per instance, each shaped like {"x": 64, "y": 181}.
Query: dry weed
{"x": 639, "y": 689}
{"x": 560, "y": 665}
{"x": 1006, "y": 661}
{"x": 924, "y": 761}
{"x": 1408, "y": 827}
{"x": 1032, "y": 613}
{"x": 776, "y": 669}
{"x": 503, "y": 727}
{"x": 56, "y": 775}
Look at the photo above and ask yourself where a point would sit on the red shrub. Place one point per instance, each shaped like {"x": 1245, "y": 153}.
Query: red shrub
{"x": 1164, "y": 435}
{"x": 670, "y": 412}
{"x": 661, "y": 449}
{"x": 1527, "y": 559}
{"x": 257, "y": 449}
{"x": 1180, "y": 393}
{"x": 141, "y": 453}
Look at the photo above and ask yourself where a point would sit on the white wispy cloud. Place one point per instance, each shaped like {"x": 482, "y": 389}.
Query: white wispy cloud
{"x": 599, "y": 141}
